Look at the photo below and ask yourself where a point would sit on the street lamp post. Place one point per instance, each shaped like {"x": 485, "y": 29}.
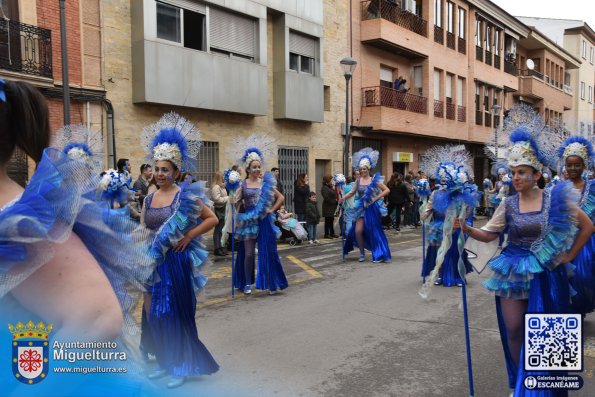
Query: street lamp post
{"x": 496, "y": 111}
{"x": 348, "y": 64}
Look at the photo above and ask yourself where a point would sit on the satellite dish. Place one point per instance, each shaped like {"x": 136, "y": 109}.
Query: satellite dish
{"x": 530, "y": 64}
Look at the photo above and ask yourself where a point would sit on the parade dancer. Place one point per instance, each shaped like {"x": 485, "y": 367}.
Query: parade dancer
{"x": 576, "y": 154}
{"x": 180, "y": 215}
{"x": 258, "y": 200}
{"x": 445, "y": 204}
{"x": 422, "y": 189}
{"x": 542, "y": 235}
{"x": 366, "y": 230}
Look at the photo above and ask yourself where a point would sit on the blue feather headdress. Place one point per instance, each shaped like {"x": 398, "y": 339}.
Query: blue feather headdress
{"x": 114, "y": 186}
{"x": 80, "y": 143}
{"x": 172, "y": 138}
{"x": 252, "y": 154}
{"x": 339, "y": 180}
{"x": 367, "y": 157}
{"x": 577, "y": 146}
{"x": 499, "y": 168}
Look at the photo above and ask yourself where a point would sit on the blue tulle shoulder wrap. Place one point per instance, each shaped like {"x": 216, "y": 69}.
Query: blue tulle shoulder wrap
{"x": 365, "y": 200}
{"x": 559, "y": 233}
{"x": 186, "y": 217}
{"x": 248, "y": 221}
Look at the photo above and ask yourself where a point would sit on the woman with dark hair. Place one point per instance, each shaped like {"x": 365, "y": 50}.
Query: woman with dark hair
{"x": 37, "y": 265}
{"x": 329, "y": 206}
{"x": 180, "y": 215}
{"x": 301, "y": 192}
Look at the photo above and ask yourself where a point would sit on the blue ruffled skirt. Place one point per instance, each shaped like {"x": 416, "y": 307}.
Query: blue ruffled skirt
{"x": 449, "y": 273}
{"x": 374, "y": 237}
{"x": 583, "y": 280}
{"x": 513, "y": 271}
{"x": 172, "y": 319}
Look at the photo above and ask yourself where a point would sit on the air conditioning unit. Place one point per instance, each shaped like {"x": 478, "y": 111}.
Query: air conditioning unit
{"x": 408, "y": 5}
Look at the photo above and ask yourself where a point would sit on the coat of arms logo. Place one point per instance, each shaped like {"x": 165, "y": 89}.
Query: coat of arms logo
{"x": 30, "y": 347}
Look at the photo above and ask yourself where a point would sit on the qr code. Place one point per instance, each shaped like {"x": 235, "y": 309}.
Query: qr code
{"x": 553, "y": 342}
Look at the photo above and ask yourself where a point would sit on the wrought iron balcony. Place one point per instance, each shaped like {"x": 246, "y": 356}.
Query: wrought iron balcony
{"x": 479, "y": 53}
{"x": 510, "y": 68}
{"x": 385, "y": 9}
{"x": 461, "y": 113}
{"x": 389, "y": 97}
{"x": 462, "y": 45}
{"x": 25, "y": 48}
{"x": 438, "y": 34}
{"x": 438, "y": 108}
{"x": 451, "y": 109}
{"x": 450, "y": 40}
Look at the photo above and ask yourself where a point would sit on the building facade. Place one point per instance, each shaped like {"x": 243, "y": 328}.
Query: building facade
{"x": 233, "y": 68}
{"x": 578, "y": 38}
{"x": 461, "y": 60}
{"x": 30, "y": 50}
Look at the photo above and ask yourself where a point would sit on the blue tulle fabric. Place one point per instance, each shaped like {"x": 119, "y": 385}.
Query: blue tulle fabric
{"x": 256, "y": 223}
{"x": 43, "y": 215}
{"x": 583, "y": 280}
{"x": 247, "y": 222}
{"x": 516, "y": 266}
{"x": 173, "y": 291}
{"x": 374, "y": 237}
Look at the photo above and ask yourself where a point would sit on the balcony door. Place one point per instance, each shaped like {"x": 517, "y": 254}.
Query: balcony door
{"x": 10, "y": 39}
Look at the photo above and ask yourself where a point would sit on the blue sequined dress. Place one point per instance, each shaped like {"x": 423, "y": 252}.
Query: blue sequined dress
{"x": 527, "y": 268}
{"x": 583, "y": 280}
{"x": 255, "y": 223}
{"x": 449, "y": 273}
{"x": 374, "y": 237}
{"x": 175, "y": 283}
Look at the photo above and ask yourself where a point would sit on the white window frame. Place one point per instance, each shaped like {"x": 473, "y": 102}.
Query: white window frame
{"x": 584, "y": 50}
{"x": 302, "y": 57}
{"x": 462, "y": 23}
{"x": 590, "y": 94}
{"x": 450, "y": 17}
{"x": 582, "y": 90}
{"x": 438, "y": 13}
{"x": 591, "y": 52}
{"x": 181, "y": 27}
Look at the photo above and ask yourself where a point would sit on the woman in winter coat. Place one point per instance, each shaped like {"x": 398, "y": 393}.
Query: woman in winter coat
{"x": 329, "y": 206}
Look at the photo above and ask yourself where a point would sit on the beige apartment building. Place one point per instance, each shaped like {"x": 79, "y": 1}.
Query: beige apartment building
{"x": 234, "y": 68}
{"x": 459, "y": 60}
{"x": 578, "y": 38}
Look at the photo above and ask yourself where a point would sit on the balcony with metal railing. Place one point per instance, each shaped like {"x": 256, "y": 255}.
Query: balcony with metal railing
{"x": 497, "y": 61}
{"x": 438, "y": 34}
{"x": 510, "y": 68}
{"x": 462, "y": 47}
{"x": 451, "y": 110}
{"x": 488, "y": 57}
{"x": 533, "y": 84}
{"x": 438, "y": 108}
{"x": 390, "y": 11}
{"x": 25, "y": 48}
{"x": 450, "y": 40}
{"x": 461, "y": 113}
{"x": 389, "y": 97}
{"x": 479, "y": 53}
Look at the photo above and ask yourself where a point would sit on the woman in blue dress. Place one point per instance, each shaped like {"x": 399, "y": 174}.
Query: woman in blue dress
{"x": 179, "y": 215}
{"x": 528, "y": 276}
{"x": 366, "y": 230}
{"x": 258, "y": 199}
{"x": 576, "y": 154}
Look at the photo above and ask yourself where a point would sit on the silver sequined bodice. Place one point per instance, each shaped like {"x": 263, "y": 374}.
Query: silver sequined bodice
{"x": 250, "y": 195}
{"x": 524, "y": 228}
{"x": 155, "y": 217}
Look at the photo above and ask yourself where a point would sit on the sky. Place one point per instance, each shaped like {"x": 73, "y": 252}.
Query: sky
{"x": 570, "y": 9}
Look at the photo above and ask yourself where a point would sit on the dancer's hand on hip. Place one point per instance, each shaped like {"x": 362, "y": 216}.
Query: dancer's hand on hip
{"x": 183, "y": 243}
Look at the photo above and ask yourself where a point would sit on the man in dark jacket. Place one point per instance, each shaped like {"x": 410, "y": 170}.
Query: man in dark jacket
{"x": 398, "y": 198}
{"x": 329, "y": 206}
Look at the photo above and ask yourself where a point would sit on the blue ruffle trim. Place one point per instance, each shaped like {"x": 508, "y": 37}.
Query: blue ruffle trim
{"x": 561, "y": 228}
{"x": 248, "y": 221}
{"x": 185, "y": 218}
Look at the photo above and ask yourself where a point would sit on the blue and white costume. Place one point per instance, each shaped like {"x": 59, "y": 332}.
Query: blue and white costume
{"x": 177, "y": 277}
{"x": 371, "y": 212}
{"x": 583, "y": 280}
{"x": 255, "y": 223}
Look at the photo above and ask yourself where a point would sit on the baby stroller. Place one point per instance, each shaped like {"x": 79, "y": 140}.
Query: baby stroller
{"x": 292, "y": 230}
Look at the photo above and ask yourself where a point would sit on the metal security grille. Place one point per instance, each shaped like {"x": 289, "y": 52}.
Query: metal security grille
{"x": 292, "y": 162}
{"x": 208, "y": 162}
{"x": 360, "y": 143}
{"x": 17, "y": 167}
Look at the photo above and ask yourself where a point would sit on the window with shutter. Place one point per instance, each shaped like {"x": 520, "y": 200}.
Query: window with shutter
{"x": 232, "y": 34}
{"x": 302, "y": 52}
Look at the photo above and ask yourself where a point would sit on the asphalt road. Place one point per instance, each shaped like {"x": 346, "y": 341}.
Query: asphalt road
{"x": 352, "y": 329}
